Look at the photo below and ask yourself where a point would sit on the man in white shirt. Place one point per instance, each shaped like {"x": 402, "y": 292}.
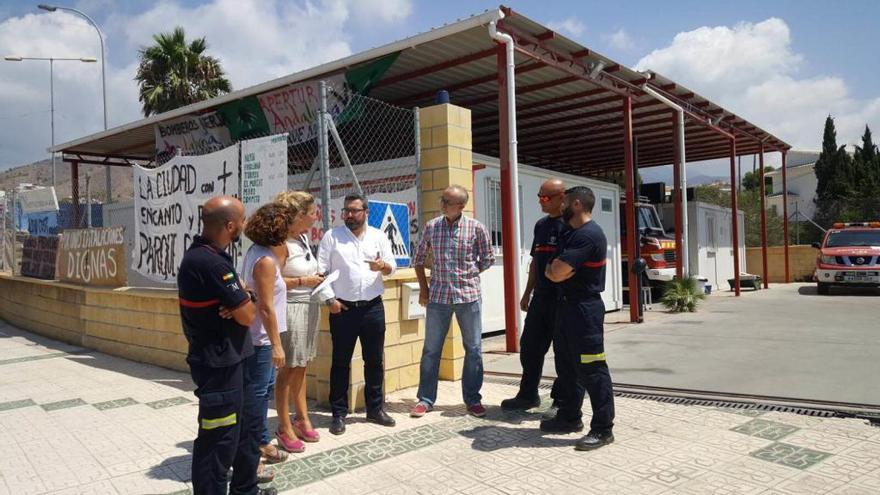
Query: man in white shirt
{"x": 361, "y": 254}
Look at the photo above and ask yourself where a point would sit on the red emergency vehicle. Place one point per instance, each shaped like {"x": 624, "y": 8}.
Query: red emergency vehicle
{"x": 849, "y": 255}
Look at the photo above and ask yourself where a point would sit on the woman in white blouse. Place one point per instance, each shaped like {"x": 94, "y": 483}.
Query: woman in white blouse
{"x": 300, "y": 273}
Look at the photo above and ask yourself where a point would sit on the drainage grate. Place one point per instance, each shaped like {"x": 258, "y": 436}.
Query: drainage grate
{"x": 728, "y": 404}
{"x": 720, "y": 403}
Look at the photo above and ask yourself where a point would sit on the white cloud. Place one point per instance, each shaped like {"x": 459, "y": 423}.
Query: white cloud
{"x": 752, "y": 70}
{"x": 620, "y": 40}
{"x": 571, "y": 26}
{"x": 255, "y": 40}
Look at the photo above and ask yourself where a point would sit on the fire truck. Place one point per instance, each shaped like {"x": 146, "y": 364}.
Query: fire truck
{"x": 849, "y": 255}
{"x": 657, "y": 247}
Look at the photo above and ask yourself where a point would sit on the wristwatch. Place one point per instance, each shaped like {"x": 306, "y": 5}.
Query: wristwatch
{"x": 329, "y": 302}
{"x": 253, "y": 295}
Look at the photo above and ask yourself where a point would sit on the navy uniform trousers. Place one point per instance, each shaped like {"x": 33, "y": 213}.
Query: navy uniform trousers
{"x": 535, "y": 342}
{"x": 579, "y": 343}
{"x": 228, "y": 434}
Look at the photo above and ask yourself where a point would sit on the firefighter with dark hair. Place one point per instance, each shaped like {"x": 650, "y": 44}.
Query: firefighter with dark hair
{"x": 579, "y": 272}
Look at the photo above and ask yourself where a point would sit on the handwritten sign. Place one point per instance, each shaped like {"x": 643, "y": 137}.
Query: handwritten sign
{"x": 38, "y": 256}
{"x": 92, "y": 257}
{"x": 263, "y": 170}
{"x": 191, "y": 134}
{"x": 168, "y": 203}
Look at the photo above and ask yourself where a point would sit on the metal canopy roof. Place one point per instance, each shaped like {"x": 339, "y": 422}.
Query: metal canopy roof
{"x": 569, "y": 100}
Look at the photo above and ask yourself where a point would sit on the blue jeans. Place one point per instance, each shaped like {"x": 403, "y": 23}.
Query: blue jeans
{"x": 437, "y": 319}
{"x": 260, "y": 387}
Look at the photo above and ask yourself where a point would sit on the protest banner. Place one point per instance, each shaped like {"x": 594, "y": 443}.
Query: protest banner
{"x": 191, "y": 134}
{"x": 38, "y": 256}
{"x": 92, "y": 257}
{"x": 168, "y": 203}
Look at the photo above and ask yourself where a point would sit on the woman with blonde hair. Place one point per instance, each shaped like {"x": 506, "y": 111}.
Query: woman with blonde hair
{"x": 300, "y": 272}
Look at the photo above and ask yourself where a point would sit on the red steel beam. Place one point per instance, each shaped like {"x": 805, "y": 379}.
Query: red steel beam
{"x": 490, "y": 117}
{"x": 763, "y": 221}
{"x": 706, "y": 143}
{"x": 629, "y": 179}
{"x": 74, "y": 192}
{"x": 424, "y": 95}
{"x": 785, "y": 218}
{"x": 735, "y": 218}
{"x": 436, "y": 67}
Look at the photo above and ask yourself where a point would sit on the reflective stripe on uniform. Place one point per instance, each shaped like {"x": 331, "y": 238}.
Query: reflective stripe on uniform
{"x": 210, "y": 424}
{"x": 592, "y": 358}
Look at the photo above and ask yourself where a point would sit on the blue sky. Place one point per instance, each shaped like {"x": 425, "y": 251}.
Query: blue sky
{"x": 783, "y": 65}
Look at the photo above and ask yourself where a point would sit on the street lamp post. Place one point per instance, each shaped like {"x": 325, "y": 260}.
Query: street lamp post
{"x": 13, "y": 58}
{"x": 53, "y": 8}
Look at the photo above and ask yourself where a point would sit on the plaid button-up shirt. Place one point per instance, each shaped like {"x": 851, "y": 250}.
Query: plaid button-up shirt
{"x": 461, "y": 251}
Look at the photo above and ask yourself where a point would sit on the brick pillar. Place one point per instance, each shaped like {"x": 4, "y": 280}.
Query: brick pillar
{"x": 447, "y": 159}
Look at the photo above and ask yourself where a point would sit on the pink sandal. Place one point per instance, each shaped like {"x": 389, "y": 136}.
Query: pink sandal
{"x": 294, "y": 445}
{"x": 307, "y": 435}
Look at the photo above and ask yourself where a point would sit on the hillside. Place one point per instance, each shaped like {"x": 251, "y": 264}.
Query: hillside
{"x": 40, "y": 173}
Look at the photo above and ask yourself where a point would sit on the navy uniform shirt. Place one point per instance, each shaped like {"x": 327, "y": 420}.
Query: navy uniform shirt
{"x": 585, "y": 250}
{"x": 206, "y": 281}
{"x": 548, "y": 232}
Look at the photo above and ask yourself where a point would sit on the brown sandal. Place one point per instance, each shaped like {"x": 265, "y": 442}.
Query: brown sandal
{"x": 276, "y": 457}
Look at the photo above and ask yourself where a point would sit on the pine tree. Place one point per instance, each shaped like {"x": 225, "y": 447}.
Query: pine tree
{"x": 866, "y": 179}
{"x": 834, "y": 178}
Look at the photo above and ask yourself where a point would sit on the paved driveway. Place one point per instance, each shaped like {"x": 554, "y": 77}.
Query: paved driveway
{"x": 787, "y": 342}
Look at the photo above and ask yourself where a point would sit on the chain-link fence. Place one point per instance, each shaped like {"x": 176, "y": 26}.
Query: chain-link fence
{"x": 362, "y": 145}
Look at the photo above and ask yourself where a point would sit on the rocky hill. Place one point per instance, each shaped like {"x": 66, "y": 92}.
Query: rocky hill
{"x": 40, "y": 173}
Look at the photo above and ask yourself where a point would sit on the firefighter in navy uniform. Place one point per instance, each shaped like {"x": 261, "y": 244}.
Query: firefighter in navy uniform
{"x": 208, "y": 285}
{"x": 579, "y": 271}
{"x": 539, "y": 300}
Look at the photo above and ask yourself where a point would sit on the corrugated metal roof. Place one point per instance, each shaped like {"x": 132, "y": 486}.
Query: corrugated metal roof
{"x": 564, "y": 122}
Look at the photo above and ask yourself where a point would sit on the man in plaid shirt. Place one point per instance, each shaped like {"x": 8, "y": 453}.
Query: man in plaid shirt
{"x": 461, "y": 251}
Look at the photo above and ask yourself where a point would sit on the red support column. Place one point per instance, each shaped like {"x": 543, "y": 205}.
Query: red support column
{"x": 676, "y": 199}
{"x": 74, "y": 192}
{"x": 763, "y": 220}
{"x": 629, "y": 174}
{"x": 785, "y": 218}
{"x": 735, "y": 216}
{"x": 511, "y": 298}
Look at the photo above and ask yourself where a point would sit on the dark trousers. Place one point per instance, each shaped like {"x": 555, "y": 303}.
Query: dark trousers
{"x": 366, "y": 323}
{"x": 228, "y": 436}
{"x": 580, "y": 342}
{"x": 535, "y": 342}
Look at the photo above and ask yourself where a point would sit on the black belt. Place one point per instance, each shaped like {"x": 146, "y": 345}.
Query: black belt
{"x": 360, "y": 304}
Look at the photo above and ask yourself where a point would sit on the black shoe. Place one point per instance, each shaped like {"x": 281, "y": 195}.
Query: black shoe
{"x": 267, "y": 491}
{"x": 337, "y": 426}
{"x": 551, "y": 412}
{"x": 380, "y": 417}
{"x": 519, "y": 404}
{"x": 559, "y": 425}
{"x": 594, "y": 440}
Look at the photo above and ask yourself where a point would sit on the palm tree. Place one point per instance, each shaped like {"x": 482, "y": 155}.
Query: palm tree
{"x": 172, "y": 73}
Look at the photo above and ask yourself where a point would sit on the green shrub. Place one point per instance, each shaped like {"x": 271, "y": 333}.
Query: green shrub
{"x": 682, "y": 295}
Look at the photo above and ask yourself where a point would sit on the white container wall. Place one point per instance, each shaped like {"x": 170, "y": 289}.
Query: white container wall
{"x": 711, "y": 244}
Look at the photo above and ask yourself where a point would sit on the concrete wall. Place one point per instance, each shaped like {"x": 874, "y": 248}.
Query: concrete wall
{"x": 144, "y": 325}
{"x": 802, "y": 263}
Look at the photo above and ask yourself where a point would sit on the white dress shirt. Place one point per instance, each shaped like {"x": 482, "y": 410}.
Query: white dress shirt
{"x": 341, "y": 250}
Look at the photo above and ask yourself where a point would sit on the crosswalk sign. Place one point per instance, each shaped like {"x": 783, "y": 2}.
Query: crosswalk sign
{"x": 392, "y": 219}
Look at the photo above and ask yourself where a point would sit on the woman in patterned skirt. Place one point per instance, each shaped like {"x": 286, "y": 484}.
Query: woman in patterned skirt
{"x": 300, "y": 273}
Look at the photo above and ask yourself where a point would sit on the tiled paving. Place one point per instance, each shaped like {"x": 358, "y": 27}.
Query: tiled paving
{"x": 84, "y": 422}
